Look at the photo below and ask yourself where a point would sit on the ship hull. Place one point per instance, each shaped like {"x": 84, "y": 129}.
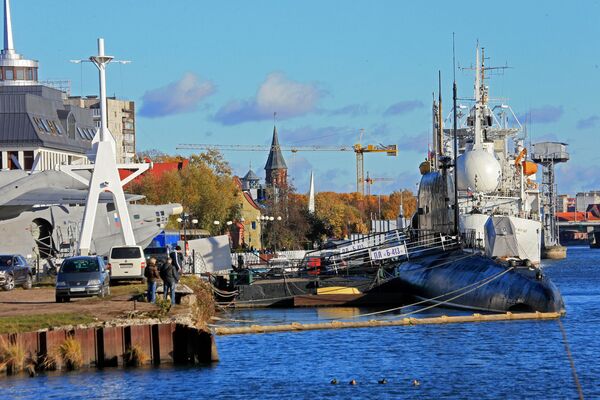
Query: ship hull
{"x": 475, "y": 282}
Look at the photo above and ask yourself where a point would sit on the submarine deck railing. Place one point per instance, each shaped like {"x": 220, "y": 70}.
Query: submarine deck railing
{"x": 378, "y": 250}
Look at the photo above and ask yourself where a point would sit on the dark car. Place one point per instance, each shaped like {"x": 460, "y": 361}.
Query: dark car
{"x": 82, "y": 277}
{"x": 15, "y": 271}
{"x": 160, "y": 253}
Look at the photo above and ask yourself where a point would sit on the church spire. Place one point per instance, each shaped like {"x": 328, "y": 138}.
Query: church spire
{"x": 311, "y": 194}
{"x": 275, "y": 168}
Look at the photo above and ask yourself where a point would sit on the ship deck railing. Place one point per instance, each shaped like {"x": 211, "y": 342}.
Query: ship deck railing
{"x": 377, "y": 250}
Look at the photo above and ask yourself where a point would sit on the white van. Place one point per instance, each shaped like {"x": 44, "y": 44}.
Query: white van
{"x": 126, "y": 262}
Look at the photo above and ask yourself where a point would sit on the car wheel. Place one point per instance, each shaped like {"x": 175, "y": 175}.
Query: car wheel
{"x": 66, "y": 299}
{"x": 59, "y": 299}
{"x": 103, "y": 292}
{"x": 28, "y": 282}
{"x": 10, "y": 283}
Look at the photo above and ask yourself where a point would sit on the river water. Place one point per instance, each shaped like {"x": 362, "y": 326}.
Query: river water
{"x": 495, "y": 360}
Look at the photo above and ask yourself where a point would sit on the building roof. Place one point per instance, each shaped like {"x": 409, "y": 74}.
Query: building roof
{"x": 157, "y": 169}
{"x": 245, "y": 193}
{"x": 250, "y": 176}
{"x": 275, "y": 160}
{"x": 33, "y": 116}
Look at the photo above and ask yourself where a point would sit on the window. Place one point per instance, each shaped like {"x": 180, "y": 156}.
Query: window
{"x": 29, "y": 74}
{"x": 125, "y": 252}
{"x": 20, "y": 74}
{"x": 28, "y": 160}
{"x": 45, "y": 124}
{"x": 79, "y": 265}
{"x": 253, "y": 224}
{"x": 81, "y": 134}
{"x": 39, "y": 125}
{"x": 58, "y": 127}
{"x": 8, "y": 74}
{"x": 71, "y": 126}
{"x": 13, "y": 159}
{"x": 136, "y": 216}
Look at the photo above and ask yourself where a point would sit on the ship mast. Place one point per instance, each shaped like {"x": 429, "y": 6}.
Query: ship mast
{"x": 478, "y": 104}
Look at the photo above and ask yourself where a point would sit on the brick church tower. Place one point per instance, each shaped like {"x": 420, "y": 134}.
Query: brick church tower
{"x": 276, "y": 169}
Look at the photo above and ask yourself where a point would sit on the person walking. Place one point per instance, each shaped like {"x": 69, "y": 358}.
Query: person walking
{"x": 177, "y": 260}
{"x": 152, "y": 277}
{"x": 169, "y": 277}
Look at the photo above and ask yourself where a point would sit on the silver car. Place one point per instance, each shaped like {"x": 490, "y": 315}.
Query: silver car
{"x": 82, "y": 277}
{"x": 15, "y": 271}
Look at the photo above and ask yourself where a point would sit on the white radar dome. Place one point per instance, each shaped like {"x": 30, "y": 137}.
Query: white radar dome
{"x": 478, "y": 170}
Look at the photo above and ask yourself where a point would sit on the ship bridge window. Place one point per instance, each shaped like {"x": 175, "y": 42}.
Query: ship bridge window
{"x": 136, "y": 216}
{"x": 20, "y": 74}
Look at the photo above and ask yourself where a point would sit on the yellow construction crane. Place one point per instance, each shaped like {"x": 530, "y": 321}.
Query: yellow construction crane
{"x": 370, "y": 181}
{"x": 360, "y": 150}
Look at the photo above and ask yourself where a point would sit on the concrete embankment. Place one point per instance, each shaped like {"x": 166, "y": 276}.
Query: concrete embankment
{"x": 381, "y": 323}
{"x": 110, "y": 346}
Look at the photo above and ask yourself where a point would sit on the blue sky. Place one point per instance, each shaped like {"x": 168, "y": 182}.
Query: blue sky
{"x": 214, "y": 72}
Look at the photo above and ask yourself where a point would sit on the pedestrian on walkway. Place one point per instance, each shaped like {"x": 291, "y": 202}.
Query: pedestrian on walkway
{"x": 169, "y": 277}
{"x": 152, "y": 277}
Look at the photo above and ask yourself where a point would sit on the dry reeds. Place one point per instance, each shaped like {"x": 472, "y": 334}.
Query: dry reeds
{"x": 135, "y": 356}
{"x": 71, "y": 354}
{"x": 12, "y": 356}
{"x": 204, "y": 307}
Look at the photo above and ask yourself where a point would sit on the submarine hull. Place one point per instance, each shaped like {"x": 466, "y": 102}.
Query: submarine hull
{"x": 470, "y": 281}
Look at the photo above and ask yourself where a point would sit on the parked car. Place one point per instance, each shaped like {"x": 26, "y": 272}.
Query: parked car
{"x": 160, "y": 253}
{"x": 126, "y": 262}
{"x": 82, "y": 277}
{"x": 15, "y": 271}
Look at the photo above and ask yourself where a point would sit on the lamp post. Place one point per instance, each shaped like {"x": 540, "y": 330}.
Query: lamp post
{"x": 183, "y": 220}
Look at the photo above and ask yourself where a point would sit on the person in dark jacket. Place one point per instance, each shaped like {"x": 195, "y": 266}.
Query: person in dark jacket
{"x": 169, "y": 277}
{"x": 177, "y": 260}
{"x": 152, "y": 277}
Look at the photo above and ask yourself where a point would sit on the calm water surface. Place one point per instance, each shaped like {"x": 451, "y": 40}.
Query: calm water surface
{"x": 504, "y": 360}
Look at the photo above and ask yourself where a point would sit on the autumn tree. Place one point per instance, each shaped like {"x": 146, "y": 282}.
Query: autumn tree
{"x": 204, "y": 188}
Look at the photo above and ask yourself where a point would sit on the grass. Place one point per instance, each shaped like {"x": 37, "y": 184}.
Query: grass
{"x": 127, "y": 289}
{"x": 29, "y": 323}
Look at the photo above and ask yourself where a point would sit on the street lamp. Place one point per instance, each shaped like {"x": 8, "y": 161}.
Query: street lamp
{"x": 183, "y": 220}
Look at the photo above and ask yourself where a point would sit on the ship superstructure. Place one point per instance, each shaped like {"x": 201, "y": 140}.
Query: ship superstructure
{"x": 498, "y": 197}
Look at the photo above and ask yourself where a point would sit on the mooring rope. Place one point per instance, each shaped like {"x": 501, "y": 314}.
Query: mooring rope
{"x": 570, "y": 356}
{"x": 483, "y": 282}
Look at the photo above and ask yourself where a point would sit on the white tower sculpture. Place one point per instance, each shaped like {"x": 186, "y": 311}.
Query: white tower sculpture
{"x": 104, "y": 170}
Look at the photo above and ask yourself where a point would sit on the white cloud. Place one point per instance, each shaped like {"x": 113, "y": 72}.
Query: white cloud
{"x": 178, "y": 97}
{"x": 276, "y": 94}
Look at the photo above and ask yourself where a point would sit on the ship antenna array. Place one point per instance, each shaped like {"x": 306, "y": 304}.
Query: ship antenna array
{"x": 455, "y": 155}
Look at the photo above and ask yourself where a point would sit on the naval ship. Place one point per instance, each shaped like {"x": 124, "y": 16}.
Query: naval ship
{"x": 493, "y": 211}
